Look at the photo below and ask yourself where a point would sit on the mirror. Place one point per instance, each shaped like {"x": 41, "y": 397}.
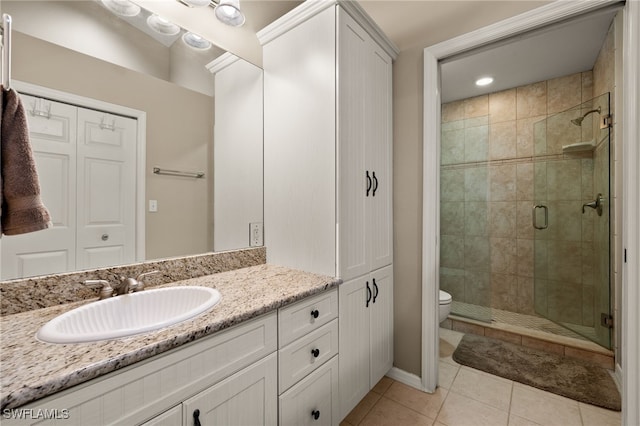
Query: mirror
{"x": 81, "y": 48}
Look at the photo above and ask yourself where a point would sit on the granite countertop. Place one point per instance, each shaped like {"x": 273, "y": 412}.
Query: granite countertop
{"x": 31, "y": 369}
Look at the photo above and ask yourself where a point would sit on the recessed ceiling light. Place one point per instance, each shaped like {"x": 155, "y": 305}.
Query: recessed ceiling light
{"x": 162, "y": 25}
{"x": 195, "y": 41}
{"x": 122, "y": 7}
{"x": 484, "y": 81}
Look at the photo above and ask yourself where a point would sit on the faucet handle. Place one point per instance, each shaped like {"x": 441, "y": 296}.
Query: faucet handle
{"x": 140, "y": 284}
{"x": 106, "y": 290}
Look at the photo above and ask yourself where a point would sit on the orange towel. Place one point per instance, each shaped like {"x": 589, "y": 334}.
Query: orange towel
{"x": 21, "y": 208}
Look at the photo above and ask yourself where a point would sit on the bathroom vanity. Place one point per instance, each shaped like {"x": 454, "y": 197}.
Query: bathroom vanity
{"x": 270, "y": 345}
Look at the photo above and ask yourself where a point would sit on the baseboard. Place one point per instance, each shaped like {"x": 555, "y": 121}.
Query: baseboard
{"x": 617, "y": 377}
{"x": 408, "y": 379}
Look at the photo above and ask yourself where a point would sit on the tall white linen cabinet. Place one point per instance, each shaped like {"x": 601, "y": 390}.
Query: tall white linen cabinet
{"x": 328, "y": 172}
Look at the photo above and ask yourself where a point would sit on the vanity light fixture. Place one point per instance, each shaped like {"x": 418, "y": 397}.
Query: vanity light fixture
{"x": 195, "y": 41}
{"x": 484, "y": 81}
{"x": 162, "y": 25}
{"x": 227, "y": 11}
{"x": 196, "y": 3}
{"x": 122, "y": 7}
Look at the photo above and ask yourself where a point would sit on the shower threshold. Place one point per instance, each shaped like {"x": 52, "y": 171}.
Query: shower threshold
{"x": 526, "y": 330}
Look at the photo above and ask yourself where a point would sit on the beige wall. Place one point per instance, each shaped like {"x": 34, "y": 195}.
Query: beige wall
{"x": 408, "y": 121}
{"x": 179, "y": 135}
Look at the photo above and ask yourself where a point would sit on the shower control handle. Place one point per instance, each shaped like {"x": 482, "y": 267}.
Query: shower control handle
{"x": 535, "y": 219}
{"x": 595, "y": 204}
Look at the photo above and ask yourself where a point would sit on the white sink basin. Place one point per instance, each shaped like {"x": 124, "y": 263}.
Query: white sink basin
{"x": 129, "y": 314}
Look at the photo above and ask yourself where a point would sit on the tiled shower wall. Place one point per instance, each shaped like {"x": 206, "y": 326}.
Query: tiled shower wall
{"x": 487, "y": 191}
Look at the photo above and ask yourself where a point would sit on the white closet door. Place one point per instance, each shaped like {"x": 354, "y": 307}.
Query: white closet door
{"x": 52, "y": 127}
{"x": 379, "y": 153}
{"x": 106, "y": 189}
{"x": 355, "y": 179}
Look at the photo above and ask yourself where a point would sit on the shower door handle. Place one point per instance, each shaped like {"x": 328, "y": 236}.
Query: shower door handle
{"x": 534, "y": 216}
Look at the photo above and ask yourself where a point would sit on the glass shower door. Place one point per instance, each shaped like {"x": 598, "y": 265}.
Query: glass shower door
{"x": 570, "y": 217}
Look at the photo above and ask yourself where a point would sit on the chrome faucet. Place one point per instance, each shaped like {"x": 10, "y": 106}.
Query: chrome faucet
{"x": 125, "y": 286}
{"x": 131, "y": 285}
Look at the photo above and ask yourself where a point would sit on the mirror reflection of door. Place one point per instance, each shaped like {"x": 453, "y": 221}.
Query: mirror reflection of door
{"x": 86, "y": 163}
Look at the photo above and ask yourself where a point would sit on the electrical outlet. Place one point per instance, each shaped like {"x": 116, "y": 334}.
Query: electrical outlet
{"x": 153, "y": 206}
{"x": 255, "y": 234}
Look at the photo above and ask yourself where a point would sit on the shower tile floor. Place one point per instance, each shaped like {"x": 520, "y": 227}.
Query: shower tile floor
{"x": 531, "y": 322}
{"x": 469, "y": 397}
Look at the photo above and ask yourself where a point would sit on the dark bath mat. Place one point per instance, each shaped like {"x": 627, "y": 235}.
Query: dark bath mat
{"x": 575, "y": 379}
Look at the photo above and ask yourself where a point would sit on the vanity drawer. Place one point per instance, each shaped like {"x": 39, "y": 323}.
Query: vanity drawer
{"x": 306, "y": 354}
{"x": 314, "y": 400}
{"x": 296, "y": 320}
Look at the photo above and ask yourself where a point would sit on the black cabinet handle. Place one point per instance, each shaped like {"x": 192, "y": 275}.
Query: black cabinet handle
{"x": 375, "y": 288}
{"x": 315, "y": 414}
{"x": 375, "y": 184}
{"x": 368, "y": 294}
{"x": 369, "y": 183}
{"x": 196, "y": 417}
{"x": 315, "y": 352}
{"x": 315, "y": 313}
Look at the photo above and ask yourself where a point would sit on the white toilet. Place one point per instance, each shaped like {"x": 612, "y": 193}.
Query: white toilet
{"x": 445, "y": 305}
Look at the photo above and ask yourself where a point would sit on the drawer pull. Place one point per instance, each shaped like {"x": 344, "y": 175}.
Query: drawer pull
{"x": 315, "y": 414}
{"x": 315, "y": 313}
{"x": 315, "y": 352}
{"x": 196, "y": 417}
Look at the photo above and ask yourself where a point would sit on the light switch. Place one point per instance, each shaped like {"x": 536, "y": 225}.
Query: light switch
{"x": 153, "y": 206}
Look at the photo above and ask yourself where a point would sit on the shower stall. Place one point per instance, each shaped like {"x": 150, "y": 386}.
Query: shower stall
{"x": 524, "y": 222}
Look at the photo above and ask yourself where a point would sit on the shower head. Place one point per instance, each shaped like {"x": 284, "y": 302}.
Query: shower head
{"x": 578, "y": 121}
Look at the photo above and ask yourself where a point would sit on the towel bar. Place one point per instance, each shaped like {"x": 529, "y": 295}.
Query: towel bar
{"x": 159, "y": 171}
{"x": 6, "y": 51}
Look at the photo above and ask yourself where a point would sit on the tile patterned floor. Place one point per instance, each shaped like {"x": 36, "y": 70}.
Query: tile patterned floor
{"x": 468, "y": 397}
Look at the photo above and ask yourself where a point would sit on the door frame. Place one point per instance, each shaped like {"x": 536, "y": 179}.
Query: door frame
{"x": 630, "y": 109}
{"x": 141, "y": 142}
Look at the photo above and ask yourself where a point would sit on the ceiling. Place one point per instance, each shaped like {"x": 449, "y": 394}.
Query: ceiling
{"x": 547, "y": 53}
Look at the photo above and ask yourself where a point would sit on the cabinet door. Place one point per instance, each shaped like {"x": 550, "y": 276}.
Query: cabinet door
{"x": 378, "y": 131}
{"x": 354, "y": 180}
{"x": 172, "y": 417}
{"x": 249, "y": 397}
{"x": 381, "y": 331}
{"x": 354, "y": 342}
{"x": 313, "y": 400}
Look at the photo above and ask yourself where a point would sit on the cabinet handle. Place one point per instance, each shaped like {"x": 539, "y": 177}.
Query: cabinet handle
{"x": 375, "y": 184}
{"x": 315, "y": 313}
{"x": 196, "y": 417}
{"x": 315, "y": 352}
{"x": 369, "y": 183}
{"x": 315, "y": 414}
{"x": 368, "y": 294}
{"x": 375, "y": 287}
